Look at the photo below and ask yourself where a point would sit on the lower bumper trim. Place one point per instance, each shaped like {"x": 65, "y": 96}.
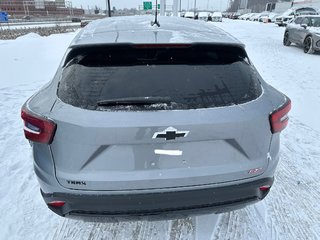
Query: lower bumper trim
{"x": 168, "y": 204}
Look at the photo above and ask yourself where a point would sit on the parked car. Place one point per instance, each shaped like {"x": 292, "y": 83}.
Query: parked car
{"x": 272, "y": 17}
{"x": 203, "y": 16}
{"x": 75, "y": 19}
{"x": 304, "y": 31}
{"x": 217, "y": 17}
{"x": 27, "y": 17}
{"x": 189, "y": 15}
{"x": 181, "y": 14}
{"x": 291, "y": 13}
{"x": 235, "y": 15}
{"x": 244, "y": 16}
{"x": 259, "y": 15}
{"x": 225, "y": 14}
{"x": 249, "y": 16}
{"x": 254, "y": 16}
{"x": 135, "y": 123}
{"x": 267, "y": 17}
{"x": 84, "y": 23}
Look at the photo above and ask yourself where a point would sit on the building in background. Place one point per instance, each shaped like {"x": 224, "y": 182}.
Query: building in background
{"x": 39, "y": 4}
{"x": 60, "y": 3}
{"x": 39, "y": 8}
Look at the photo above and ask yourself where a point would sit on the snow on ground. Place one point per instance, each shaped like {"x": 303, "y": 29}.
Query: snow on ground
{"x": 291, "y": 210}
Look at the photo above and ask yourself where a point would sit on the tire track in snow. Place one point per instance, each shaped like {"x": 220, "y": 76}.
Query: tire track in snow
{"x": 153, "y": 230}
{"x": 292, "y": 205}
{"x": 19, "y": 190}
{"x": 291, "y": 210}
{"x": 297, "y": 210}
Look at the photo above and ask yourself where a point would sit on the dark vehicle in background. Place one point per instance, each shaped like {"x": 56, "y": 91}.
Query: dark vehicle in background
{"x": 235, "y": 15}
{"x": 75, "y": 19}
{"x": 144, "y": 122}
{"x": 26, "y": 17}
{"x": 84, "y": 23}
{"x": 304, "y": 31}
{"x": 291, "y": 13}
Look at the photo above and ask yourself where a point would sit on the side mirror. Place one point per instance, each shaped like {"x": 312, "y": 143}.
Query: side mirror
{"x": 304, "y": 25}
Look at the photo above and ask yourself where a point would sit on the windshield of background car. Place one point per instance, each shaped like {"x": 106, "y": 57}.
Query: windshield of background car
{"x": 194, "y": 76}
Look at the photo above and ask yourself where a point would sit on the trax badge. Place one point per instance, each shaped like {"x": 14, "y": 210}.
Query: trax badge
{"x": 170, "y": 134}
{"x": 76, "y": 182}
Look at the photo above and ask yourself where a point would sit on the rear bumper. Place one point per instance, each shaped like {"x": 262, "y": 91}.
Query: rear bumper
{"x": 166, "y": 204}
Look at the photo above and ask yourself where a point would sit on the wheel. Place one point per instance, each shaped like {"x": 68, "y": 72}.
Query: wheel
{"x": 286, "y": 40}
{"x": 307, "y": 45}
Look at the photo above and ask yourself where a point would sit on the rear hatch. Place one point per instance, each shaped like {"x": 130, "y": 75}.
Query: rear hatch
{"x": 154, "y": 116}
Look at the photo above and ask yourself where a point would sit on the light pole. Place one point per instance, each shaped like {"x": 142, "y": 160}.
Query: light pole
{"x": 195, "y": 5}
{"x": 108, "y": 8}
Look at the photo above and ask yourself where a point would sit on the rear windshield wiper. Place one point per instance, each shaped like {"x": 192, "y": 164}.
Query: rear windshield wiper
{"x": 134, "y": 101}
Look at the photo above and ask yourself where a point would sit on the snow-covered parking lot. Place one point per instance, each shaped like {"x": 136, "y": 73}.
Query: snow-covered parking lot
{"x": 290, "y": 211}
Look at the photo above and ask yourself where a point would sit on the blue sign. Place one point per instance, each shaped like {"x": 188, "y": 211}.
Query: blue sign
{"x": 3, "y": 17}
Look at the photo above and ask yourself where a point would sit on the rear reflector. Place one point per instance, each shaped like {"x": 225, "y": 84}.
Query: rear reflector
{"x": 56, "y": 203}
{"x": 279, "y": 118}
{"x": 265, "y": 188}
{"x": 37, "y": 128}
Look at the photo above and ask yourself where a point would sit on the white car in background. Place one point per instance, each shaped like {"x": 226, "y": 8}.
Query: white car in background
{"x": 291, "y": 13}
{"x": 217, "y": 17}
{"x": 247, "y": 17}
{"x": 189, "y": 15}
{"x": 259, "y": 15}
{"x": 254, "y": 16}
{"x": 267, "y": 18}
{"x": 203, "y": 16}
{"x": 244, "y": 16}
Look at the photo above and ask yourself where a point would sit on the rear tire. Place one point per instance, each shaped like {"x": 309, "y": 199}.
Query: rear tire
{"x": 286, "y": 41}
{"x": 307, "y": 45}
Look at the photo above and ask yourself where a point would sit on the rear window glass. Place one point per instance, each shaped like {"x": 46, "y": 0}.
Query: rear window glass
{"x": 188, "y": 77}
{"x": 303, "y": 11}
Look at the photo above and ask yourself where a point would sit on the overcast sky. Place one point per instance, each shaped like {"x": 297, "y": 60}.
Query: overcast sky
{"x": 201, "y": 4}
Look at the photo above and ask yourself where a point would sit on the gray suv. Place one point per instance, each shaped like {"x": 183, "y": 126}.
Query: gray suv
{"x": 141, "y": 120}
{"x": 304, "y": 31}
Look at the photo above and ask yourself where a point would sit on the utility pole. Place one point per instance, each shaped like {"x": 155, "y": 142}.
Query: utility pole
{"x": 108, "y": 8}
{"x": 195, "y": 5}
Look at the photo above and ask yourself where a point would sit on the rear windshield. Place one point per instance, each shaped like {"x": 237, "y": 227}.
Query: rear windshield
{"x": 186, "y": 77}
{"x": 302, "y": 11}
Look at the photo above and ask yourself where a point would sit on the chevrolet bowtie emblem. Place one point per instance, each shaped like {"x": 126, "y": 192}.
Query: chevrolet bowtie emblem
{"x": 170, "y": 134}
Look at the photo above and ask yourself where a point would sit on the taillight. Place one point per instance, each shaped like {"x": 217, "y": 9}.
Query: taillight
{"x": 37, "y": 128}
{"x": 265, "y": 188}
{"x": 56, "y": 203}
{"x": 279, "y": 118}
